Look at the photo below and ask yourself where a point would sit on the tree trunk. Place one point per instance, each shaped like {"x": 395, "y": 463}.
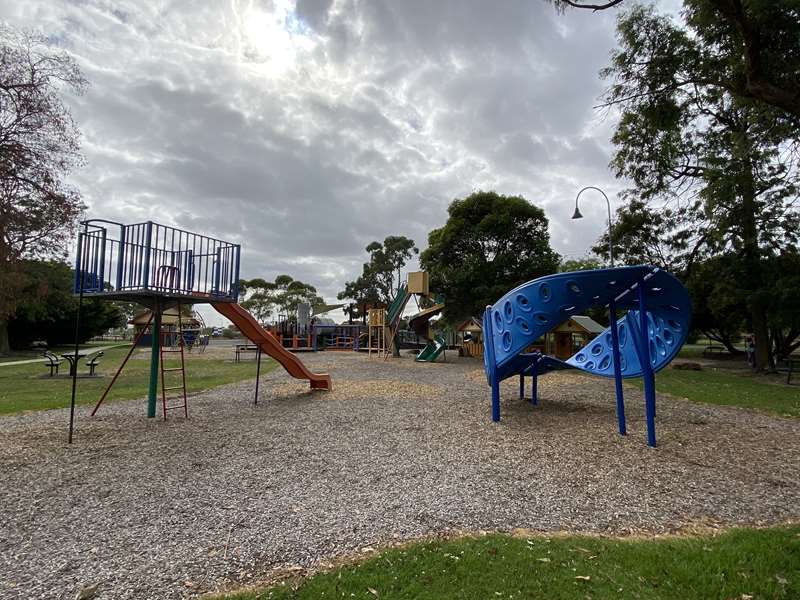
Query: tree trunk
{"x": 5, "y": 348}
{"x": 751, "y": 254}
{"x": 396, "y": 345}
{"x": 785, "y": 343}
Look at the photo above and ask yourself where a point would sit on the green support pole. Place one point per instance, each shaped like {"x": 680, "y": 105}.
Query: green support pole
{"x": 154, "y": 357}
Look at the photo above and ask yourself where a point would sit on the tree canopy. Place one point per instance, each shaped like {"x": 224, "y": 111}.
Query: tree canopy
{"x": 490, "y": 244}
{"x": 713, "y": 173}
{"x": 377, "y": 285}
{"x": 277, "y": 299}
{"x": 39, "y": 147}
{"x": 47, "y": 308}
{"x": 761, "y": 41}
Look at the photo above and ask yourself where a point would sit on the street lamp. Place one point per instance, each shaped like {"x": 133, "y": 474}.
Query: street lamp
{"x": 612, "y": 318}
{"x": 577, "y": 215}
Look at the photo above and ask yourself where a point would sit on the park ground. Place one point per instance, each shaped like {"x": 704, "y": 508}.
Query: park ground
{"x": 398, "y": 451}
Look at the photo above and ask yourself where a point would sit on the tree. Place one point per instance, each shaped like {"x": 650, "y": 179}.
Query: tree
{"x": 47, "y": 307}
{"x": 490, "y": 244}
{"x": 718, "y": 304}
{"x": 257, "y": 296}
{"x": 712, "y": 174}
{"x": 280, "y": 298}
{"x": 762, "y": 38}
{"x": 377, "y": 285}
{"x": 39, "y": 147}
{"x": 587, "y": 263}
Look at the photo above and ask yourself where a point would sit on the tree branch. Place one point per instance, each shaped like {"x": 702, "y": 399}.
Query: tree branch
{"x": 594, "y": 7}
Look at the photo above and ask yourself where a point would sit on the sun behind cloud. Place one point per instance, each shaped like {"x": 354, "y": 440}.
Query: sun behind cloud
{"x": 270, "y": 37}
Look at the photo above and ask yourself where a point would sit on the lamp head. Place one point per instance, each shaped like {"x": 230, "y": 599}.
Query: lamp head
{"x": 577, "y": 214}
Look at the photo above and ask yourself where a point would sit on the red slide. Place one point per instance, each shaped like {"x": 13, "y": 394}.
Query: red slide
{"x": 257, "y": 334}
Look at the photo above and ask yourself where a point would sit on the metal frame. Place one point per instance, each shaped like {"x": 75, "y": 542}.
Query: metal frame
{"x": 137, "y": 261}
{"x": 156, "y": 266}
{"x": 655, "y": 326}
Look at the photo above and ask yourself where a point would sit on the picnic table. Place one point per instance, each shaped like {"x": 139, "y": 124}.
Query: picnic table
{"x": 712, "y": 349}
{"x": 791, "y": 363}
{"x": 73, "y": 358}
{"x": 244, "y": 348}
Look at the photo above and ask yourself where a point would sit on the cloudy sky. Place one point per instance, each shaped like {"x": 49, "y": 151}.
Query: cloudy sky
{"x": 304, "y": 130}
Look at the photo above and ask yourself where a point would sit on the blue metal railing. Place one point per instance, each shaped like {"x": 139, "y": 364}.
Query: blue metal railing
{"x": 113, "y": 258}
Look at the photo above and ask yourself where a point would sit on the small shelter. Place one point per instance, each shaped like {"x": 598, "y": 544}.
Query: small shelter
{"x": 469, "y": 335}
{"x": 562, "y": 342}
{"x": 169, "y": 325}
{"x": 572, "y": 335}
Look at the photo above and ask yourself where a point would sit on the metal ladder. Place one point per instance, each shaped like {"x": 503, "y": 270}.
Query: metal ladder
{"x": 171, "y": 351}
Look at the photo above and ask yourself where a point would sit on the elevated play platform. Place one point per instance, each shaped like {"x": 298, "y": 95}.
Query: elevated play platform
{"x": 639, "y": 344}
{"x": 163, "y": 267}
{"x": 142, "y": 261}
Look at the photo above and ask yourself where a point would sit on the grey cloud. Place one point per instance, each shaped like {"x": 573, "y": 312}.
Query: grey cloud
{"x": 357, "y": 120}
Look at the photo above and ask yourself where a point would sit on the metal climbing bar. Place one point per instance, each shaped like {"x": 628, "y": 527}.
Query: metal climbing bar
{"x": 124, "y": 362}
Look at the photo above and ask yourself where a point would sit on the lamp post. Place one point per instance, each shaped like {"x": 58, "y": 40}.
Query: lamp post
{"x": 612, "y": 317}
{"x": 577, "y": 215}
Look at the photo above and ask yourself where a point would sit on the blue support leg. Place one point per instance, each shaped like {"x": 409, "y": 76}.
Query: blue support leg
{"x": 647, "y": 370}
{"x": 612, "y": 313}
{"x": 495, "y": 400}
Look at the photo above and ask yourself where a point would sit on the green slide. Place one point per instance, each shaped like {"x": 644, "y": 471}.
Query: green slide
{"x": 398, "y": 304}
{"x": 432, "y": 351}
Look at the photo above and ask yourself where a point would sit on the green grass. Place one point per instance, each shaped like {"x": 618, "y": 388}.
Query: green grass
{"x": 16, "y": 355}
{"x": 26, "y": 387}
{"x": 732, "y": 388}
{"x": 692, "y": 351}
{"x": 738, "y": 564}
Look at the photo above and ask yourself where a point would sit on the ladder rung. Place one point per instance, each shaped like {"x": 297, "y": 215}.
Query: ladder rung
{"x": 175, "y": 387}
{"x": 177, "y": 406}
{"x": 171, "y": 350}
{"x": 173, "y": 369}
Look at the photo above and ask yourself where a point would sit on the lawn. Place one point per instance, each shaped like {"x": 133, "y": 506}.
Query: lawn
{"x": 728, "y": 387}
{"x": 16, "y": 355}
{"x": 26, "y": 387}
{"x": 741, "y": 563}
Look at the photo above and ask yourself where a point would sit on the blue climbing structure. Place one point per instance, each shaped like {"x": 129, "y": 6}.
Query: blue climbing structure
{"x": 641, "y": 343}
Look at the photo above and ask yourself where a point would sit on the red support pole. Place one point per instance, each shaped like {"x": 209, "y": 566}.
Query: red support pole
{"x": 124, "y": 362}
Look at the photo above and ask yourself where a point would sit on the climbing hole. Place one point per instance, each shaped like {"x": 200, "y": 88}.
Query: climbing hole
{"x": 523, "y": 325}
{"x": 523, "y": 302}
{"x": 507, "y": 341}
{"x": 498, "y": 321}
{"x": 508, "y": 310}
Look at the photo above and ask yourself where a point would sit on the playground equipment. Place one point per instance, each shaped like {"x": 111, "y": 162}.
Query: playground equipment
{"x": 189, "y": 325}
{"x": 161, "y": 267}
{"x": 420, "y": 324}
{"x": 192, "y": 333}
{"x": 333, "y": 337}
{"x": 384, "y": 323}
{"x": 639, "y": 344}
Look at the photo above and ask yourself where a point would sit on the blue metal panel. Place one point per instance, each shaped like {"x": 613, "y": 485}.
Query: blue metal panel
{"x": 529, "y": 311}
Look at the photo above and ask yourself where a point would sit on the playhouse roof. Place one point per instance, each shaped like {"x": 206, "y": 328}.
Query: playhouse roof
{"x": 471, "y": 324}
{"x": 587, "y": 323}
{"x": 321, "y": 309}
{"x": 168, "y": 317}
